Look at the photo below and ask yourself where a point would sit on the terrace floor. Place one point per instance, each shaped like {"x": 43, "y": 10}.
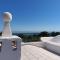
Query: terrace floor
{"x": 29, "y": 52}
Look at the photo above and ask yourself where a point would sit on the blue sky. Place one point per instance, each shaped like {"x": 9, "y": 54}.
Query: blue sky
{"x": 32, "y": 15}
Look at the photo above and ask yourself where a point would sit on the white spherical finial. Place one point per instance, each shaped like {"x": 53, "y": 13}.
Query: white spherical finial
{"x": 7, "y": 16}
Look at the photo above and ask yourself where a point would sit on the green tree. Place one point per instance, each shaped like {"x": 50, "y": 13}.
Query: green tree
{"x": 44, "y": 34}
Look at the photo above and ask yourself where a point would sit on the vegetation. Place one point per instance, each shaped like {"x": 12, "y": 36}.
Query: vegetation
{"x": 32, "y": 37}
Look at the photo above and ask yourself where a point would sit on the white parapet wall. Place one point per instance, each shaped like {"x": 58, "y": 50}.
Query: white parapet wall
{"x": 46, "y": 38}
{"x": 37, "y": 44}
{"x": 52, "y": 44}
{"x": 7, "y": 50}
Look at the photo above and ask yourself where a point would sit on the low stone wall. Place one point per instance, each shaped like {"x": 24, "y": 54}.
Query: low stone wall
{"x": 54, "y": 47}
{"x": 51, "y": 44}
{"x": 38, "y": 44}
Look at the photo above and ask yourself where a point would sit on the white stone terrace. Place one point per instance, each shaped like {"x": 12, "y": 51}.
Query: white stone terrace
{"x": 34, "y": 51}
